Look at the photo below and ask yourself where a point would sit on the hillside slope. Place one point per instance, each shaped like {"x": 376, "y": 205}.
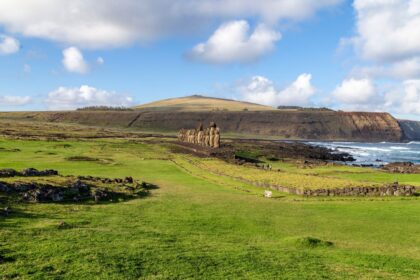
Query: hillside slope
{"x": 202, "y": 103}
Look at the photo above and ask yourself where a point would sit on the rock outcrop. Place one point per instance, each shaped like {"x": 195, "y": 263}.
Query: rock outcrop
{"x": 402, "y": 167}
{"x": 76, "y": 189}
{"x": 28, "y": 172}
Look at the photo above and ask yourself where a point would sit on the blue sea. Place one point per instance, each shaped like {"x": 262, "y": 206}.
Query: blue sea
{"x": 377, "y": 153}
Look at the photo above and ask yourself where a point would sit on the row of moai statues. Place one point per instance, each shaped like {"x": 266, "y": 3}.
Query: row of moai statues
{"x": 208, "y": 137}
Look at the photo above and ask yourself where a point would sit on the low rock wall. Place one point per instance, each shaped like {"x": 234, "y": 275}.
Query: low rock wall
{"x": 387, "y": 190}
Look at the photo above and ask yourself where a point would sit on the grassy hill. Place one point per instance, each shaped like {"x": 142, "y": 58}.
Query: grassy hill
{"x": 202, "y": 103}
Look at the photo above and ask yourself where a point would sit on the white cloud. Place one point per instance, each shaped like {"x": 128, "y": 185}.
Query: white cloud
{"x": 362, "y": 95}
{"x": 388, "y": 29}
{"x": 8, "y": 45}
{"x": 263, "y": 91}
{"x": 71, "y": 98}
{"x": 404, "y": 100}
{"x": 86, "y": 24}
{"x": 233, "y": 42}
{"x": 404, "y": 69}
{"x": 15, "y": 100}
{"x": 74, "y": 61}
{"x": 354, "y": 91}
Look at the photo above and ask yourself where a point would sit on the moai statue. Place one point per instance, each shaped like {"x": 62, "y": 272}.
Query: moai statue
{"x": 189, "y": 136}
{"x": 192, "y": 136}
{"x": 180, "y": 135}
{"x": 217, "y": 138}
{"x": 207, "y": 137}
{"x": 195, "y": 136}
{"x": 200, "y": 135}
{"x": 212, "y": 133}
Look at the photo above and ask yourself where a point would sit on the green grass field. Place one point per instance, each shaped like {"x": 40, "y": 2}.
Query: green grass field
{"x": 200, "y": 225}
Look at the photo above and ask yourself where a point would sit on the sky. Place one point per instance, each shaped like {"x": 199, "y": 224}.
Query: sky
{"x": 361, "y": 55}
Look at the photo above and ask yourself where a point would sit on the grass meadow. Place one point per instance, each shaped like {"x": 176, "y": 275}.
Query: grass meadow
{"x": 202, "y": 225}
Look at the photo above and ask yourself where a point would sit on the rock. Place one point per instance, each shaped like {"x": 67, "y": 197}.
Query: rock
{"x": 8, "y": 173}
{"x": 99, "y": 195}
{"x": 57, "y": 197}
{"x": 23, "y": 187}
{"x": 128, "y": 180}
{"x": 268, "y": 194}
{"x": 32, "y": 172}
{"x": 402, "y": 167}
{"x": 5, "y": 188}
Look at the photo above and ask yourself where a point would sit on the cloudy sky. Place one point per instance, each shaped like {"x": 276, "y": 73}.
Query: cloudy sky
{"x": 350, "y": 55}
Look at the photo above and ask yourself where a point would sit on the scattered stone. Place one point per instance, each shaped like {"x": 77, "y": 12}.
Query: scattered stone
{"x": 4, "y": 188}
{"x": 32, "y": 172}
{"x": 29, "y": 172}
{"x": 128, "y": 180}
{"x": 99, "y": 195}
{"x": 8, "y": 173}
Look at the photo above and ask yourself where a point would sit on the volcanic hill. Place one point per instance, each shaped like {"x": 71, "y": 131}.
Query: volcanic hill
{"x": 199, "y": 103}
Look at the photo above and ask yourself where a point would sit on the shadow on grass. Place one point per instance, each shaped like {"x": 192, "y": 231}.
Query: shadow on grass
{"x": 4, "y": 258}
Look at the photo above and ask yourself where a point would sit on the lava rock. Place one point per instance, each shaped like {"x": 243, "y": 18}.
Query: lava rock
{"x": 8, "y": 173}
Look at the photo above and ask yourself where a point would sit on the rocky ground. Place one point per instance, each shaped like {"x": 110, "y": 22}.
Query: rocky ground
{"x": 252, "y": 151}
{"x": 26, "y": 188}
{"x": 402, "y": 167}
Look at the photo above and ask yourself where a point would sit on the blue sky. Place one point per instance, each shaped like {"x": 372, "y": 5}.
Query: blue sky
{"x": 275, "y": 52}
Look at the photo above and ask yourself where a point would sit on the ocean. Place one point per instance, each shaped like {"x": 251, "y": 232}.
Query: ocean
{"x": 376, "y": 153}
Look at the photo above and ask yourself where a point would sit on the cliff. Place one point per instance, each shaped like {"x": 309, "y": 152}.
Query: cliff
{"x": 282, "y": 124}
{"x": 411, "y": 129}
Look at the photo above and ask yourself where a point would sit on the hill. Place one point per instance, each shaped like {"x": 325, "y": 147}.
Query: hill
{"x": 196, "y": 103}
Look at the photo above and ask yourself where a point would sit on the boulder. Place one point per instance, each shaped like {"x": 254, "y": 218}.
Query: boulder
{"x": 8, "y": 173}
{"x": 268, "y": 194}
{"x": 32, "y": 172}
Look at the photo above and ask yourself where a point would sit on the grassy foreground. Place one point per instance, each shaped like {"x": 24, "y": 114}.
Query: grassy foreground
{"x": 198, "y": 225}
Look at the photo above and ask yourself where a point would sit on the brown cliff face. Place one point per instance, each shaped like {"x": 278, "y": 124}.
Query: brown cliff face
{"x": 282, "y": 124}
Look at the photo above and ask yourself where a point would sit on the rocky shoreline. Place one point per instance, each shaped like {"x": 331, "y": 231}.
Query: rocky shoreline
{"x": 272, "y": 150}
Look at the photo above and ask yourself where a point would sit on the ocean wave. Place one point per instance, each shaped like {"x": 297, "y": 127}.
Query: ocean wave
{"x": 410, "y": 152}
{"x": 398, "y": 148}
{"x": 354, "y": 152}
{"x": 376, "y": 153}
{"x": 373, "y": 149}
